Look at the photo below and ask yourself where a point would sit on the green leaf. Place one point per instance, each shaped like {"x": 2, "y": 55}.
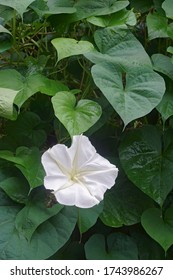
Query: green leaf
{"x": 37, "y": 83}
{"x": 163, "y": 64}
{"x": 18, "y": 5}
{"x": 132, "y": 91}
{"x": 119, "y": 46}
{"x": 119, "y": 247}
{"x": 60, "y": 7}
{"x": 28, "y": 161}
{"x": 148, "y": 248}
{"x": 67, "y": 47}
{"x": 124, "y": 204}
{"x": 6, "y": 39}
{"x": 34, "y": 214}
{"x": 7, "y": 97}
{"x": 77, "y": 118}
{"x": 158, "y": 227}
{"x": 120, "y": 18}
{"x": 97, "y": 8}
{"x": 16, "y": 188}
{"x": 168, "y": 8}
{"x": 142, "y": 6}
{"x": 16, "y": 89}
{"x": 147, "y": 164}
{"x": 88, "y": 217}
{"x": 157, "y": 26}
{"x": 49, "y": 237}
{"x": 165, "y": 107}
{"x": 26, "y": 130}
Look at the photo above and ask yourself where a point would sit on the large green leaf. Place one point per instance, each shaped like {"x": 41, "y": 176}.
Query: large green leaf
{"x": 18, "y": 5}
{"x": 159, "y": 227}
{"x": 26, "y": 131}
{"x": 28, "y": 161}
{"x": 147, "y": 163}
{"x": 26, "y": 86}
{"x": 124, "y": 204}
{"x": 67, "y": 47}
{"x": 157, "y": 26}
{"x": 60, "y": 7}
{"x": 168, "y": 8}
{"x": 89, "y": 8}
{"x": 88, "y": 217}
{"x": 133, "y": 91}
{"x": 35, "y": 213}
{"x": 163, "y": 64}
{"x": 119, "y": 247}
{"x": 76, "y": 118}
{"x": 120, "y": 18}
{"x": 6, "y": 39}
{"x": 16, "y": 188}
{"x": 49, "y": 237}
{"x": 119, "y": 46}
{"x": 165, "y": 107}
{"x": 7, "y": 97}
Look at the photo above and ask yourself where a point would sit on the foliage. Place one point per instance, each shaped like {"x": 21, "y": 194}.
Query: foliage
{"x": 105, "y": 69}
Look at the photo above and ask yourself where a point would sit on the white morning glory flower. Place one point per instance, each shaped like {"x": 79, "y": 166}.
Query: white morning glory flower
{"x": 78, "y": 175}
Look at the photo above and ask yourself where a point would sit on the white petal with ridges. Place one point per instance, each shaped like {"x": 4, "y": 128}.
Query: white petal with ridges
{"x": 78, "y": 175}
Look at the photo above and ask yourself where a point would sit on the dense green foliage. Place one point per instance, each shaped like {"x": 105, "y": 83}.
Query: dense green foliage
{"x": 103, "y": 68}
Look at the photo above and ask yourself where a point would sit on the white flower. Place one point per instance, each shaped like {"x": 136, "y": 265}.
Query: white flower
{"x": 78, "y": 175}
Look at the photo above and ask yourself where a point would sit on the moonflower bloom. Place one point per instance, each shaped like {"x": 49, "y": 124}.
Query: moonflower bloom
{"x": 78, "y": 175}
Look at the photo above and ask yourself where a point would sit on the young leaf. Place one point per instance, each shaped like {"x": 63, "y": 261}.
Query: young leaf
{"x": 77, "y": 118}
{"x": 67, "y": 47}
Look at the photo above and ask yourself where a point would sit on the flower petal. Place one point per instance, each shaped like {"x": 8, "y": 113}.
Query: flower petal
{"x": 55, "y": 182}
{"x": 81, "y": 151}
{"x": 56, "y": 160}
{"x": 76, "y": 195}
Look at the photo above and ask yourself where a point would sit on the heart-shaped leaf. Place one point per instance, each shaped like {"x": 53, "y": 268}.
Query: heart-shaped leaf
{"x": 120, "y": 47}
{"x": 89, "y": 8}
{"x": 157, "y": 26}
{"x": 49, "y": 237}
{"x": 35, "y": 213}
{"x": 132, "y": 91}
{"x": 67, "y": 47}
{"x": 77, "y": 118}
{"x": 168, "y": 7}
{"x": 14, "y": 88}
{"x": 147, "y": 163}
{"x": 119, "y": 247}
{"x": 18, "y": 5}
{"x": 158, "y": 227}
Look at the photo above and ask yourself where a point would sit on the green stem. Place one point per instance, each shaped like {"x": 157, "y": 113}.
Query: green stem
{"x": 14, "y": 27}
